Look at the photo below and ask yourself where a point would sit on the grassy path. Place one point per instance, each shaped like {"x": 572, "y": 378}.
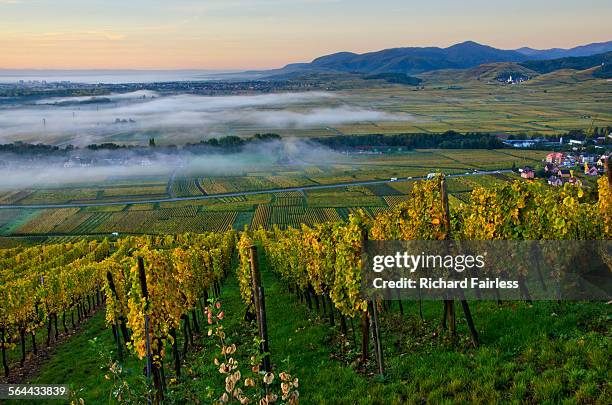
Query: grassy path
{"x": 302, "y": 342}
{"x": 299, "y": 344}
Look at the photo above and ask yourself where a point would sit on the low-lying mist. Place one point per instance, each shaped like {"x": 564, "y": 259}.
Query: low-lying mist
{"x": 84, "y": 167}
{"x": 131, "y": 117}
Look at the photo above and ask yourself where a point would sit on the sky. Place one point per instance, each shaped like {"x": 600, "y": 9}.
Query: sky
{"x": 257, "y": 34}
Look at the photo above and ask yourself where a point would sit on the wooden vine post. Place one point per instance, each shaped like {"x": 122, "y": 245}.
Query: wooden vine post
{"x": 145, "y": 294}
{"x": 607, "y": 170}
{"x": 117, "y": 340}
{"x": 3, "y": 347}
{"x": 332, "y": 321}
{"x": 449, "y": 305}
{"x": 175, "y": 352}
{"x": 365, "y": 329}
{"x": 23, "y": 350}
{"x": 372, "y": 313}
{"x": 260, "y": 308}
{"x": 115, "y": 327}
{"x": 376, "y": 336}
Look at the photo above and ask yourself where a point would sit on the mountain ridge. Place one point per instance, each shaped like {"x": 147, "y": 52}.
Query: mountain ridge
{"x": 577, "y": 51}
{"x": 416, "y": 60}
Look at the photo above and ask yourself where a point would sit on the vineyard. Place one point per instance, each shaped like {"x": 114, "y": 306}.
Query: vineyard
{"x": 184, "y": 187}
{"x": 47, "y": 221}
{"x": 161, "y": 292}
{"x": 70, "y": 221}
{"x": 324, "y": 263}
{"x": 316, "y": 202}
{"x": 499, "y": 160}
{"x": 129, "y": 216}
{"x": 308, "y": 257}
{"x": 144, "y": 303}
{"x": 224, "y": 185}
{"x": 289, "y": 209}
{"x": 12, "y": 197}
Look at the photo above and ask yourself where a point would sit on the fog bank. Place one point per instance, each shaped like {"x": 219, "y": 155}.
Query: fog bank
{"x": 132, "y": 117}
{"x": 85, "y": 167}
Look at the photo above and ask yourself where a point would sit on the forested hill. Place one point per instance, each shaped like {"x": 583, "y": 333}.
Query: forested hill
{"x": 603, "y": 60}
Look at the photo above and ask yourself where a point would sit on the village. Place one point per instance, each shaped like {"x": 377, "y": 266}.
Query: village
{"x": 559, "y": 168}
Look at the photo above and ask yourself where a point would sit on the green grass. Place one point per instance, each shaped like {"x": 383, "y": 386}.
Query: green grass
{"x": 78, "y": 364}
{"x": 73, "y": 363}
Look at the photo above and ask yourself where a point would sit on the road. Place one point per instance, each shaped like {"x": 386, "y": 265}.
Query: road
{"x": 241, "y": 193}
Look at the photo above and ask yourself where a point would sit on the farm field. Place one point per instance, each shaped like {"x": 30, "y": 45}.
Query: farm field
{"x": 265, "y": 210}
{"x": 339, "y": 169}
{"x": 548, "y": 105}
{"x": 450, "y": 103}
{"x": 219, "y": 214}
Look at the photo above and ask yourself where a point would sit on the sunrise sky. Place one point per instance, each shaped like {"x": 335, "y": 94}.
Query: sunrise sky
{"x": 242, "y": 34}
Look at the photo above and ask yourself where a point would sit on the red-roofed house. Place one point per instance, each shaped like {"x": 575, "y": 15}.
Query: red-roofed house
{"x": 555, "y": 157}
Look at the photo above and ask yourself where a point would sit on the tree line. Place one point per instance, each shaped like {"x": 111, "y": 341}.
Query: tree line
{"x": 446, "y": 140}
{"x": 224, "y": 144}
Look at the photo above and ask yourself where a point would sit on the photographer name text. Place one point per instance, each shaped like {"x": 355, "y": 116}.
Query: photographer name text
{"x": 443, "y": 284}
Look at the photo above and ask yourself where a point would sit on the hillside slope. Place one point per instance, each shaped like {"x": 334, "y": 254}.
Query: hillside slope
{"x": 486, "y": 73}
{"x": 576, "y": 63}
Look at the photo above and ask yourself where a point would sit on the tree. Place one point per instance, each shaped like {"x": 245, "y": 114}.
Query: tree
{"x": 591, "y": 132}
{"x": 151, "y": 142}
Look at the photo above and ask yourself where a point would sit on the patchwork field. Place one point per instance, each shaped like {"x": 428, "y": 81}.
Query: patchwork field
{"x": 282, "y": 209}
{"x": 255, "y": 210}
{"x": 448, "y": 102}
